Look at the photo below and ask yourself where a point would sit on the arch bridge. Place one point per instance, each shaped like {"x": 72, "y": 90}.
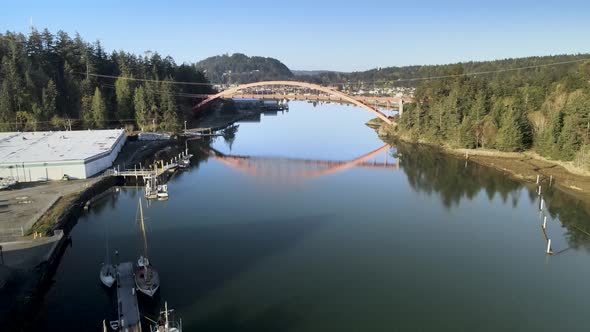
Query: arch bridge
{"x": 343, "y": 96}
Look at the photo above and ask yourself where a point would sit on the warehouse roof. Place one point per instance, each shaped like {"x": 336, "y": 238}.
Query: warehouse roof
{"x": 48, "y": 146}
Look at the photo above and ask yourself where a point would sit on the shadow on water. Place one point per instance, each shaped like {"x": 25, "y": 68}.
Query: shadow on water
{"x": 277, "y": 318}
{"x": 454, "y": 179}
{"x": 196, "y": 262}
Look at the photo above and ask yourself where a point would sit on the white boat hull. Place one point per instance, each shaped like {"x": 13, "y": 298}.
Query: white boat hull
{"x": 107, "y": 275}
{"x": 147, "y": 278}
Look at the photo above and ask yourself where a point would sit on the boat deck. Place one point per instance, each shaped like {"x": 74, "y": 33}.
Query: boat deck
{"x": 129, "y": 318}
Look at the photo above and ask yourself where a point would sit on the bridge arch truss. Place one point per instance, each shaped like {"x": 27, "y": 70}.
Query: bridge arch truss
{"x": 341, "y": 95}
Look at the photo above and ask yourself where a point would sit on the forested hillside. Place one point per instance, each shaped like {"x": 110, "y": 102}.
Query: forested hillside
{"x": 239, "y": 68}
{"x": 411, "y": 76}
{"x": 546, "y": 109}
{"x": 49, "y": 82}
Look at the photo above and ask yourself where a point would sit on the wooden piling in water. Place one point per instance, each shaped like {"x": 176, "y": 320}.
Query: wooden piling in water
{"x": 545, "y": 222}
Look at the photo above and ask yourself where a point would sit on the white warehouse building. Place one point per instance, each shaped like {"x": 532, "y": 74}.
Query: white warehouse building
{"x": 41, "y": 156}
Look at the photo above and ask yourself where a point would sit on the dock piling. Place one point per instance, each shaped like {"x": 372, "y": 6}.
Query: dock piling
{"x": 545, "y": 222}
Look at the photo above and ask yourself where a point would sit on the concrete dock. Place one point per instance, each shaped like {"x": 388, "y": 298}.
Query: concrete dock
{"x": 129, "y": 317}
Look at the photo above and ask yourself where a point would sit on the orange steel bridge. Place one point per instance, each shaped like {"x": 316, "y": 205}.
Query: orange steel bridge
{"x": 335, "y": 96}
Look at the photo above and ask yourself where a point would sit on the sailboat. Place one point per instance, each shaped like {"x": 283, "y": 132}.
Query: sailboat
{"x": 185, "y": 160}
{"x": 162, "y": 193}
{"x": 164, "y": 323}
{"x": 151, "y": 187}
{"x": 107, "y": 270}
{"x": 147, "y": 278}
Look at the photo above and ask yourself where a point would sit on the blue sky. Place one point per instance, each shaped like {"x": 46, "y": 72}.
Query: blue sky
{"x": 308, "y": 34}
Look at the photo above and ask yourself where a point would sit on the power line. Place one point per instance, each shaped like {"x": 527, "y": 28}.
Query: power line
{"x": 488, "y": 72}
{"x": 367, "y": 82}
{"x": 145, "y": 80}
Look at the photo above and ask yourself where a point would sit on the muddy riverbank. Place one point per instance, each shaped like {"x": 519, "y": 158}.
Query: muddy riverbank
{"x": 522, "y": 166}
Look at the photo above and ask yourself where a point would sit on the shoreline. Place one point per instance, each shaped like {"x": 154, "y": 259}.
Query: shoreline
{"x": 520, "y": 166}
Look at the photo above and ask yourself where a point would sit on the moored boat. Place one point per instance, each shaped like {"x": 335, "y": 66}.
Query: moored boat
{"x": 165, "y": 323}
{"x": 147, "y": 278}
{"x": 108, "y": 274}
{"x": 108, "y": 271}
{"x": 162, "y": 192}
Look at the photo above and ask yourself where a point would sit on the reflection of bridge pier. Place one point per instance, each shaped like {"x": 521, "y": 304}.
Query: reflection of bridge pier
{"x": 300, "y": 168}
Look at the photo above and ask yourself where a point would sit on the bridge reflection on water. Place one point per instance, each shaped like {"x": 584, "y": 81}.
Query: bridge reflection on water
{"x": 278, "y": 169}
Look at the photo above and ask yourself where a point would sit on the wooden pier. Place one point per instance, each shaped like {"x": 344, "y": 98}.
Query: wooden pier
{"x": 128, "y": 309}
{"x": 160, "y": 168}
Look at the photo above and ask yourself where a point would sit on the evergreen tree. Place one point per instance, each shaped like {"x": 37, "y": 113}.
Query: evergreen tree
{"x": 124, "y": 99}
{"x": 569, "y": 139}
{"x": 7, "y": 113}
{"x": 168, "y": 106}
{"x": 34, "y": 117}
{"x": 466, "y": 134}
{"x": 547, "y": 142}
{"x": 49, "y": 101}
{"x": 99, "y": 109}
{"x": 141, "y": 108}
{"x": 72, "y": 98}
{"x": 510, "y": 135}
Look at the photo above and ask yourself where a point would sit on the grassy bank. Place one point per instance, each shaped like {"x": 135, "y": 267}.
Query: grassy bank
{"x": 49, "y": 218}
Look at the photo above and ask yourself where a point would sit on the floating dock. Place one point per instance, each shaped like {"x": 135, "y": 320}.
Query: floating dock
{"x": 129, "y": 317}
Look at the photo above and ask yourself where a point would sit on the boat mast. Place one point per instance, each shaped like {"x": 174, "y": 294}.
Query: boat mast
{"x": 142, "y": 228}
{"x": 166, "y": 313}
{"x": 108, "y": 257}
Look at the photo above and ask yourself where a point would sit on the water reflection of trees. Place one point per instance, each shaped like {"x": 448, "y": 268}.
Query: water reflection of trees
{"x": 453, "y": 179}
{"x": 432, "y": 172}
{"x": 574, "y": 216}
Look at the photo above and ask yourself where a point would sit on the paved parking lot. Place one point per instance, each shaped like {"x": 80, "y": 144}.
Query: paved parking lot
{"x": 23, "y": 205}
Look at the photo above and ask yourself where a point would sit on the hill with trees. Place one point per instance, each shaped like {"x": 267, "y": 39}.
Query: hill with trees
{"x": 412, "y": 76}
{"x": 53, "y": 81}
{"x": 239, "y": 68}
{"x": 544, "y": 108}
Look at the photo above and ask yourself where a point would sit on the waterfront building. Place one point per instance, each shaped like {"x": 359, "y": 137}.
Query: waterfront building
{"x": 54, "y": 155}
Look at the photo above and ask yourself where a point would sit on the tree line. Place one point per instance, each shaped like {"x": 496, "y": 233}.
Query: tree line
{"x": 545, "y": 109}
{"x": 56, "y": 82}
{"x": 411, "y": 76}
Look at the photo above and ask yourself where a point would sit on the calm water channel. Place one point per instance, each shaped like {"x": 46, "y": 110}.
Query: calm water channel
{"x": 268, "y": 243}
